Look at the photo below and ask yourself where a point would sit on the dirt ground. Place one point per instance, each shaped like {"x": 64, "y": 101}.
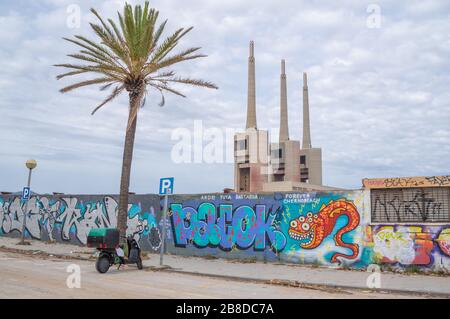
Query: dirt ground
{"x": 38, "y": 276}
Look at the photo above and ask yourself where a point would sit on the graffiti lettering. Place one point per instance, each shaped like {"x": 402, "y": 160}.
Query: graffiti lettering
{"x": 402, "y": 182}
{"x": 408, "y": 205}
{"x": 71, "y": 219}
{"x": 223, "y": 227}
{"x": 407, "y": 182}
{"x": 439, "y": 180}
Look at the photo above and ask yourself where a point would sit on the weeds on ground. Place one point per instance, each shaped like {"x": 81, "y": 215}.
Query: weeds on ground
{"x": 251, "y": 260}
{"x": 413, "y": 269}
{"x": 345, "y": 267}
{"x": 209, "y": 257}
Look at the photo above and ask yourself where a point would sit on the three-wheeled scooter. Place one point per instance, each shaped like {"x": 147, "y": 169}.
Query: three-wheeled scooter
{"x": 106, "y": 241}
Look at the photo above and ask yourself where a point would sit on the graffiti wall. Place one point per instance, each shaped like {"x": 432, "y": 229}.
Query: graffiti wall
{"x": 69, "y": 218}
{"x": 326, "y": 229}
{"x": 424, "y": 247}
{"x": 405, "y": 182}
{"x": 322, "y": 228}
{"x": 332, "y": 229}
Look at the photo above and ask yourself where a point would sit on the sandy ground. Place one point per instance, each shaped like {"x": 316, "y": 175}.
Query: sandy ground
{"x": 28, "y": 276}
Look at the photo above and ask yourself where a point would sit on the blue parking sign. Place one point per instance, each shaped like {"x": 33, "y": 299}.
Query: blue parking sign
{"x": 166, "y": 186}
{"x": 26, "y": 193}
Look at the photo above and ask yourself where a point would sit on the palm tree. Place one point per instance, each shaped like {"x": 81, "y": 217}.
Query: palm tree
{"x": 130, "y": 58}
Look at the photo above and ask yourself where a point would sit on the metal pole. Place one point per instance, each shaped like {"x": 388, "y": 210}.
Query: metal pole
{"x": 163, "y": 239}
{"x": 24, "y": 222}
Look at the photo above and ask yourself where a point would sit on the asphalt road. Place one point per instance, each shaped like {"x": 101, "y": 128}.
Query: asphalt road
{"x": 24, "y": 276}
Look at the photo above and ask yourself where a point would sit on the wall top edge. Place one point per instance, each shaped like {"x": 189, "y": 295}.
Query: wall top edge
{"x": 4, "y": 194}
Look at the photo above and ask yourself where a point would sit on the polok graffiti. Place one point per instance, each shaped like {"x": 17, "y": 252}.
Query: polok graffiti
{"x": 225, "y": 227}
{"x": 71, "y": 218}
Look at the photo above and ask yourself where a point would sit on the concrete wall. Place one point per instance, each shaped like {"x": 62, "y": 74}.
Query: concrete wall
{"x": 68, "y": 218}
{"x": 329, "y": 228}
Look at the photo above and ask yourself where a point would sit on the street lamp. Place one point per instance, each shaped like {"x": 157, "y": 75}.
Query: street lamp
{"x": 30, "y": 164}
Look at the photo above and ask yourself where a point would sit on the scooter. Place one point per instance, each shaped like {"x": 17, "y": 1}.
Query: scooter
{"x": 108, "y": 257}
{"x": 106, "y": 241}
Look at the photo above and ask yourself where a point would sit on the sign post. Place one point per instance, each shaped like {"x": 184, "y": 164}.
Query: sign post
{"x": 25, "y": 198}
{"x": 166, "y": 189}
{"x": 26, "y": 193}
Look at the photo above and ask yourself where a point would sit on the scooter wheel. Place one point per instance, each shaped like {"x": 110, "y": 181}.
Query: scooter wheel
{"x": 102, "y": 264}
{"x": 139, "y": 263}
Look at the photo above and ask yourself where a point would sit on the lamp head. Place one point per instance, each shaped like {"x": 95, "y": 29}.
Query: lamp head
{"x": 31, "y": 164}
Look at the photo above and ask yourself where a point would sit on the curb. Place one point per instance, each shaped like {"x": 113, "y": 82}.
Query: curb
{"x": 307, "y": 285}
{"x": 31, "y": 252}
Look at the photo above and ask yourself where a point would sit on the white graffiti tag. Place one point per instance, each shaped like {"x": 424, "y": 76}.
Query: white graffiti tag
{"x": 396, "y": 246}
{"x": 68, "y": 218}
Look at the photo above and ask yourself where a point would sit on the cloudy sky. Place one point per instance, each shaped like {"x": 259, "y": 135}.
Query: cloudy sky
{"x": 380, "y": 98}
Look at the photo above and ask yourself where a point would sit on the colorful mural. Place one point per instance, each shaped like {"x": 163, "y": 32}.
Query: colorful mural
{"x": 311, "y": 229}
{"x": 298, "y": 227}
{"x": 325, "y": 229}
{"x": 226, "y": 227}
{"x": 69, "y": 218}
{"x": 330, "y": 229}
{"x": 417, "y": 245}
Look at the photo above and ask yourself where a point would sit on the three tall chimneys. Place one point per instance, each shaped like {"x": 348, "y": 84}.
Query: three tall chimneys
{"x": 284, "y": 126}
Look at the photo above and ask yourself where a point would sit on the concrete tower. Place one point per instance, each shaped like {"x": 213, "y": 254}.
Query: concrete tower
{"x": 251, "y": 97}
{"x": 251, "y": 148}
{"x": 306, "y": 125}
{"x": 310, "y": 158}
{"x": 284, "y": 126}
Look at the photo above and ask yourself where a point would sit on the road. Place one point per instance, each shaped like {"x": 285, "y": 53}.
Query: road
{"x": 24, "y": 276}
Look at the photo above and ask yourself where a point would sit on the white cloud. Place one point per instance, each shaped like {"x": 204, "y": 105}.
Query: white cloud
{"x": 379, "y": 97}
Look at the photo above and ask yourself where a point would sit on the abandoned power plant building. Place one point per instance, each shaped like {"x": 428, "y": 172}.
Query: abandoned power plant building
{"x": 262, "y": 166}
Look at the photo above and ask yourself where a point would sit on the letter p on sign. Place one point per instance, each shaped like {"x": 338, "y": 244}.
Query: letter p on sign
{"x": 166, "y": 186}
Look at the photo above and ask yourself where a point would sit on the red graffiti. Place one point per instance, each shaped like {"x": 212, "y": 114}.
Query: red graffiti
{"x": 312, "y": 229}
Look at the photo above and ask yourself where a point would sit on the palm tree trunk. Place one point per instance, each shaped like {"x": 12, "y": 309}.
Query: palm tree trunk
{"x": 135, "y": 102}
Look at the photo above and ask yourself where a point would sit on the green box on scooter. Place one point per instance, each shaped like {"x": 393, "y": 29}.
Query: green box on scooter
{"x": 104, "y": 238}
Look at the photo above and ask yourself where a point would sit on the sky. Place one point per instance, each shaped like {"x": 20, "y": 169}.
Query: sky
{"x": 378, "y": 75}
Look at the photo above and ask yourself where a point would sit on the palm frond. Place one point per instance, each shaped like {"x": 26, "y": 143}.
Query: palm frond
{"x": 85, "y": 83}
{"x": 131, "y": 54}
{"x": 177, "y": 58}
{"x": 93, "y": 69}
{"x": 168, "y": 44}
{"x": 107, "y": 86}
{"x": 116, "y": 92}
{"x": 171, "y": 90}
{"x": 163, "y": 100}
{"x": 59, "y": 77}
{"x": 193, "y": 82}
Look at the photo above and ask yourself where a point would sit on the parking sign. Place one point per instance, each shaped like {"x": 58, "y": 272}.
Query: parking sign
{"x": 26, "y": 194}
{"x": 166, "y": 186}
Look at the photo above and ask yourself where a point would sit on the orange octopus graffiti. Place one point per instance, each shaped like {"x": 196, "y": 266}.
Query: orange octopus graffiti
{"x": 312, "y": 229}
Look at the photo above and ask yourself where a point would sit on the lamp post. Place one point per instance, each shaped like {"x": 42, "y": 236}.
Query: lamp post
{"x": 30, "y": 164}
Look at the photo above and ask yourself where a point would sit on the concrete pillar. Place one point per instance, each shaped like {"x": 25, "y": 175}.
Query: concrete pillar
{"x": 284, "y": 125}
{"x": 251, "y": 98}
{"x": 306, "y": 129}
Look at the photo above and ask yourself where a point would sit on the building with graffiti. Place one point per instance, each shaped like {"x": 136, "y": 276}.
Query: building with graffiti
{"x": 410, "y": 219}
{"x": 351, "y": 229}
